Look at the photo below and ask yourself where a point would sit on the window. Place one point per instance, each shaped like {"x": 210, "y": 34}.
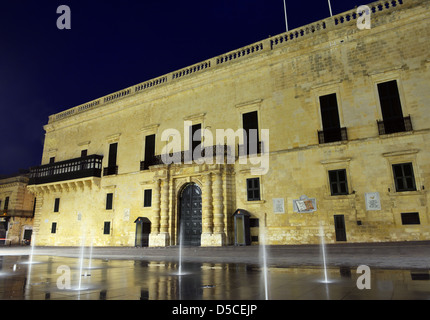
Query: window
{"x": 391, "y": 107}
{"x": 253, "y": 189}
{"x": 84, "y": 153}
{"x": 6, "y": 203}
{"x": 149, "y": 151}
{"x": 404, "y": 177}
{"x": 338, "y": 182}
{"x": 106, "y": 227}
{"x": 330, "y": 120}
{"x": 109, "y": 201}
{"x": 410, "y": 218}
{"x": 195, "y": 139}
{"x": 112, "y": 168}
{"x": 57, "y": 205}
{"x": 250, "y": 127}
{"x": 147, "y": 198}
{"x": 51, "y": 160}
{"x": 54, "y": 227}
{"x": 254, "y": 223}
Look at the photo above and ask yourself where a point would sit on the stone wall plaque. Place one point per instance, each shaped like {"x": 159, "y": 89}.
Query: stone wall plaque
{"x": 278, "y": 205}
{"x": 126, "y": 214}
{"x": 373, "y": 201}
{"x": 304, "y": 205}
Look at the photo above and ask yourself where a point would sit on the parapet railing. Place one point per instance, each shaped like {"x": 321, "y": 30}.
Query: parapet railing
{"x": 235, "y": 55}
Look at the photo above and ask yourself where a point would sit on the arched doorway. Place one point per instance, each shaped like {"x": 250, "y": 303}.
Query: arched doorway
{"x": 190, "y": 215}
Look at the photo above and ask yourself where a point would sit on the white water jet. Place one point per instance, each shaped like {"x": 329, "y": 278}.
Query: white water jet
{"x": 88, "y": 273}
{"x": 81, "y": 262}
{"x": 30, "y": 262}
{"x": 322, "y": 244}
{"x": 181, "y": 238}
{"x": 263, "y": 259}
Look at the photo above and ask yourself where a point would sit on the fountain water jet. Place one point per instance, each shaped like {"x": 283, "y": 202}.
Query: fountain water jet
{"x": 181, "y": 238}
{"x": 30, "y": 262}
{"x": 323, "y": 253}
{"x": 263, "y": 261}
{"x": 81, "y": 262}
{"x": 88, "y": 273}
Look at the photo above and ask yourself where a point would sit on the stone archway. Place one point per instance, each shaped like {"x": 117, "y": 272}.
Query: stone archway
{"x": 190, "y": 215}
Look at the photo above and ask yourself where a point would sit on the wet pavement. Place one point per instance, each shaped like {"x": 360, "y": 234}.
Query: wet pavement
{"x": 398, "y": 271}
{"x": 146, "y": 280}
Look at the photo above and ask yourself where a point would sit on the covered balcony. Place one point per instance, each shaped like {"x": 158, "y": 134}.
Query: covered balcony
{"x": 78, "y": 168}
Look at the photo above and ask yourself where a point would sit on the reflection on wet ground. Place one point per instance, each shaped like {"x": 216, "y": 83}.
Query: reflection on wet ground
{"x": 46, "y": 279}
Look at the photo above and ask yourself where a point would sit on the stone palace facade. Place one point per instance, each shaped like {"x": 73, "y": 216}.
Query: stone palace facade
{"x": 340, "y": 125}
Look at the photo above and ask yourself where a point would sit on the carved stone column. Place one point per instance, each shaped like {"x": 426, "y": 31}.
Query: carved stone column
{"x": 155, "y": 223}
{"x": 164, "y": 224}
{"x": 207, "y": 212}
{"x": 159, "y": 224}
{"x": 164, "y": 213}
{"x": 219, "y": 236}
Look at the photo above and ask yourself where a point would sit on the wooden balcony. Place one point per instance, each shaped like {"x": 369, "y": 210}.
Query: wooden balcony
{"x": 88, "y": 166}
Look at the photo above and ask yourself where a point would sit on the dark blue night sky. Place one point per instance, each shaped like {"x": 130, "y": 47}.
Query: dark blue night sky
{"x": 113, "y": 45}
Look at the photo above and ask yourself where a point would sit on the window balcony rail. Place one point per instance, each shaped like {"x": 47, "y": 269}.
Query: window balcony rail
{"x": 247, "y": 150}
{"x": 83, "y": 167}
{"x": 332, "y": 135}
{"x": 394, "y": 125}
{"x": 186, "y": 156}
{"x": 109, "y": 171}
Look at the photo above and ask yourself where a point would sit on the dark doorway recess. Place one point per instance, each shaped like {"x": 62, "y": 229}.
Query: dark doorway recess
{"x": 190, "y": 215}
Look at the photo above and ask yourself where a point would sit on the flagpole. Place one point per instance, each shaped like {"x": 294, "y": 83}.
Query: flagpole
{"x": 329, "y": 6}
{"x": 285, "y": 12}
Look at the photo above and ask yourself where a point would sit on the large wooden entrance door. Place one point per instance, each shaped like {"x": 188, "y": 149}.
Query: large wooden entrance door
{"x": 190, "y": 217}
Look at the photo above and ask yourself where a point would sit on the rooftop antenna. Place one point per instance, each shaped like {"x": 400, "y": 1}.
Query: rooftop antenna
{"x": 285, "y": 12}
{"x": 329, "y": 6}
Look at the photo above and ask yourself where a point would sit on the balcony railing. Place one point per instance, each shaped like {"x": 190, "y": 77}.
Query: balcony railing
{"x": 394, "y": 125}
{"x": 246, "y": 150}
{"x": 88, "y": 166}
{"x": 185, "y": 156}
{"x": 109, "y": 171}
{"x": 332, "y": 135}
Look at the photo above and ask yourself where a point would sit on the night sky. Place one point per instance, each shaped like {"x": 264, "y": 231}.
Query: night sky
{"x": 113, "y": 45}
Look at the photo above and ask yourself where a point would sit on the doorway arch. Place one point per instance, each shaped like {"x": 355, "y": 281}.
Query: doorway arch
{"x": 190, "y": 215}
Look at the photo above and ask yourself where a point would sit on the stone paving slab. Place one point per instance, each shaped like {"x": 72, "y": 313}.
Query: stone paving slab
{"x": 401, "y": 255}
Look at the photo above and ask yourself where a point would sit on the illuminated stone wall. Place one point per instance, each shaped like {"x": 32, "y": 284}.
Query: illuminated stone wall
{"x": 282, "y": 78}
